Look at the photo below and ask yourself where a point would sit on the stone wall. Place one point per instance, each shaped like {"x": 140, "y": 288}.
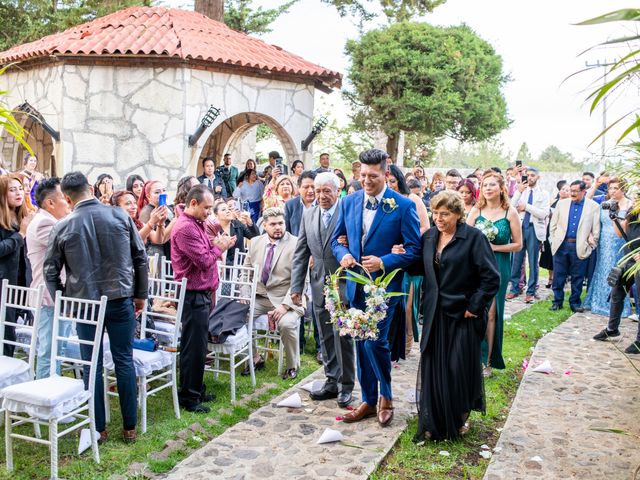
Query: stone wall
{"x": 123, "y": 120}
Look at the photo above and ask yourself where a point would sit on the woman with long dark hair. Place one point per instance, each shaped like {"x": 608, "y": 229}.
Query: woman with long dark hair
{"x": 148, "y": 230}
{"x": 134, "y": 184}
{"x": 14, "y": 220}
{"x": 412, "y": 285}
{"x": 103, "y": 188}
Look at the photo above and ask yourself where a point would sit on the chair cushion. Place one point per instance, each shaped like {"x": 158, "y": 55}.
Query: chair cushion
{"x": 165, "y": 327}
{"x": 144, "y": 362}
{"x": 46, "y": 398}
{"x": 13, "y": 371}
{"x": 233, "y": 343}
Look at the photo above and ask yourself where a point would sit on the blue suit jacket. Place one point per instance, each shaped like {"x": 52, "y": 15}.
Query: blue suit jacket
{"x": 389, "y": 227}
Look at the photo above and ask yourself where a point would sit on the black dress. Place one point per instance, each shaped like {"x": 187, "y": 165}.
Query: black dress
{"x": 464, "y": 277}
{"x": 546, "y": 257}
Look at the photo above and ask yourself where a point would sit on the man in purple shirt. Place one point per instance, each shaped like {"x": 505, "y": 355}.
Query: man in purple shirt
{"x": 194, "y": 257}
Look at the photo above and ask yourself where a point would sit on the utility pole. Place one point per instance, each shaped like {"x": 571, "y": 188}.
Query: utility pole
{"x": 605, "y": 64}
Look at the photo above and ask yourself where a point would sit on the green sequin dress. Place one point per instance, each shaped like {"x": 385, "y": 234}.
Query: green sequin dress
{"x": 504, "y": 265}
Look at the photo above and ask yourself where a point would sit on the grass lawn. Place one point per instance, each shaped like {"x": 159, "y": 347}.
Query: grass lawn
{"x": 31, "y": 461}
{"x": 410, "y": 461}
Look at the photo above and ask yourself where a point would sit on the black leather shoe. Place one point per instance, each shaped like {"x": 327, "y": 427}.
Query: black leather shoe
{"x": 577, "y": 309}
{"x": 633, "y": 349}
{"x": 555, "y": 307}
{"x": 291, "y": 373}
{"x": 208, "y": 397}
{"x": 604, "y": 334}
{"x": 259, "y": 365}
{"x": 323, "y": 394}
{"x": 344, "y": 399}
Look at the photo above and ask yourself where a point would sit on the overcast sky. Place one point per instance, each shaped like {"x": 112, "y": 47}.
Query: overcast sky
{"x": 536, "y": 39}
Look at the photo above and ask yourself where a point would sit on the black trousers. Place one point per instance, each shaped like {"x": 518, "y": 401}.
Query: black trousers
{"x": 193, "y": 346}
{"x": 618, "y": 296}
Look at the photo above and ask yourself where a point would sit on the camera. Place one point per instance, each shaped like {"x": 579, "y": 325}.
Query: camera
{"x": 613, "y": 208}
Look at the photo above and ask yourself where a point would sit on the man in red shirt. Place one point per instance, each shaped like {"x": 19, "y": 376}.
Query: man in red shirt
{"x": 194, "y": 257}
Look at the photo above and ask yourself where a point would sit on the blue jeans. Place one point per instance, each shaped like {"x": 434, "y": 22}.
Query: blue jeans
{"x": 120, "y": 322}
{"x": 45, "y": 338}
{"x": 530, "y": 248}
{"x": 566, "y": 263}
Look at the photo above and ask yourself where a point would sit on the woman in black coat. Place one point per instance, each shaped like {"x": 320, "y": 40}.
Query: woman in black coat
{"x": 460, "y": 279}
{"x": 14, "y": 265}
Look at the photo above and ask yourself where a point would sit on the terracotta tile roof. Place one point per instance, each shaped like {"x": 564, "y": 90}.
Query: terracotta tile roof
{"x": 171, "y": 33}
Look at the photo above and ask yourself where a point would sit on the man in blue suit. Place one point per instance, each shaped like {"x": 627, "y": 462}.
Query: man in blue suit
{"x": 374, "y": 220}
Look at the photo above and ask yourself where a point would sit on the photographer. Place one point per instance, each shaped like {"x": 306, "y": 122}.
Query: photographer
{"x": 609, "y": 249}
{"x": 211, "y": 180}
{"x": 228, "y": 173}
{"x": 628, "y": 228}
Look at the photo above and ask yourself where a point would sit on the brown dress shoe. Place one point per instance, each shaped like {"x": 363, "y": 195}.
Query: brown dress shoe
{"x": 360, "y": 413}
{"x": 129, "y": 436}
{"x": 103, "y": 437}
{"x": 385, "y": 411}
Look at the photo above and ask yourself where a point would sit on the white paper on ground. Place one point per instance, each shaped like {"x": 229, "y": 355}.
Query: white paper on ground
{"x": 410, "y": 396}
{"x": 544, "y": 367}
{"x": 293, "y": 401}
{"x": 314, "y": 386}
{"x": 444, "y": 453}
{"x": 537, "y": 458}
{"x": 485, "y": 454}
{"x": 84, "y": 441}
{"x": 330, "y": 436}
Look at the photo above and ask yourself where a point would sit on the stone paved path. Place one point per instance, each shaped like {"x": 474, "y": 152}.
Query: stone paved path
{"x": 549, "y": 432}
{"x": 281, "y": 442}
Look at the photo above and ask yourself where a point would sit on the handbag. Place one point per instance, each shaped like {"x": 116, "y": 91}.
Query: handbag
{"x": 615, "y": 276}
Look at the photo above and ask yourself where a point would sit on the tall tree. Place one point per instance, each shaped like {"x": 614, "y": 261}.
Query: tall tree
{"x": 524, "y": 155}
{"x": 394, "y": 10}
{"x": 242, "y": 16}
{"x": 214, "y": 9}
{"x": 438, "y": 81}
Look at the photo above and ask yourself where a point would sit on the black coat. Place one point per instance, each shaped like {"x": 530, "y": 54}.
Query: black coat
{"x": 14, "y": 265}
{"x": 241, "y": 231}
{"x": 468, "y": 277}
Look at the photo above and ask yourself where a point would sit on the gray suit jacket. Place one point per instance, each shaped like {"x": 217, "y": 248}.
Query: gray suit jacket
{"x": 314, "y": 241}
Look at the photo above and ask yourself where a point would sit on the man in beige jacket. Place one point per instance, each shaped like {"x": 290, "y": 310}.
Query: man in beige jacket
{"x": 573, "y": 233}
{"x": 273, "y": 253}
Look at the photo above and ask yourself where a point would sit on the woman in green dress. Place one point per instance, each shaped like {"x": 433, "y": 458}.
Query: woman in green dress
{"x": 500, "y": 222}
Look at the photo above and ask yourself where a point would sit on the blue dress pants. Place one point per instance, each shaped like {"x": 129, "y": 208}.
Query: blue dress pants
{"x": 566, "y": 263}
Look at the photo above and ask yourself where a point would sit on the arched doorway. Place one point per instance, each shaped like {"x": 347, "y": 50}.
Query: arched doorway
{"x": 36, "y": 135}
{"x": 231, "y": 133}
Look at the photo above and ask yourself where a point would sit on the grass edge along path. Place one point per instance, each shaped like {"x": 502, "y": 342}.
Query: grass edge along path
{"x": 462, "y": 459}
{"x": 168, "y": 440}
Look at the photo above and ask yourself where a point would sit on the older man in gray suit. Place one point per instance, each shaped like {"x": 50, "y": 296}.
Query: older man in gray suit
{"x": 314, "y": 238}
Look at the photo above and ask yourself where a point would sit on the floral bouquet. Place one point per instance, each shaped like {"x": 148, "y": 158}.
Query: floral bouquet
{"x": 488, "y": 228}
{"x": 361, "y": 325}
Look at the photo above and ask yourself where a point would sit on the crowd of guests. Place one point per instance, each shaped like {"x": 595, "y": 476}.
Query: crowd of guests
{"x": 283, "y": 219}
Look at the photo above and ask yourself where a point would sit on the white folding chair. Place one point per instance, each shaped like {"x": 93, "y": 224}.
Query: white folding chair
{"x": 239, "y": 258}
{"x": 48, "y": 401}
{"x": 271, "y": 340}
{"x": 15, "y": 370}
{"x": 160, "y": 365}
{"x": 240, "y": 284}
{"x": 152, "y": 263}
{"x": 166, "y": 270}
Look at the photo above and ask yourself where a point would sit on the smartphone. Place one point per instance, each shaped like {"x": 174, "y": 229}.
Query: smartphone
{"x": 525, "y": 179}
{"x": 245, "y": 206}
{"x": 162, "y": 200}
{"x": 518, "y": 163}
{"x": 279, "y": 163}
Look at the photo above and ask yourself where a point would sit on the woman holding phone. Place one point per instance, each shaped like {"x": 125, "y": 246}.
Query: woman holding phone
{"x": 154, "y": 194}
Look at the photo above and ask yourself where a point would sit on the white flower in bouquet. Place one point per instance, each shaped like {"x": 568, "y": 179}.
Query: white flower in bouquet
{"x": 488, "y": 229}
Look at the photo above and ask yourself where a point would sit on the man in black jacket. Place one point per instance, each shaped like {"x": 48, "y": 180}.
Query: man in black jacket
{"x": 211, "y": 180}
{"x": 102, "y": 254}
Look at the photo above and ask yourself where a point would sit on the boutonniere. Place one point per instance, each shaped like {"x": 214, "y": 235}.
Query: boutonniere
{"x": 389, "y": 205}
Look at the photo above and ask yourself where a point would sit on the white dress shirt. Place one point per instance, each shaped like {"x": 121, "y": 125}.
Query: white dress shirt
{"x": 368, "y": 215}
